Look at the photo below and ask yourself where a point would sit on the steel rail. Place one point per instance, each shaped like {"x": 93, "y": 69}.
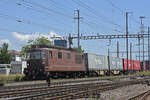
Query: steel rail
{"x": 89, "y": 87}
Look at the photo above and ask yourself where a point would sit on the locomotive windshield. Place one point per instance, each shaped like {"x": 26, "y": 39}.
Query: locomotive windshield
{"x": 36, "y": 55}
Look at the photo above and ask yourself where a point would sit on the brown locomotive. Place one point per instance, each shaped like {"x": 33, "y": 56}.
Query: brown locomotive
{"x": 56, "y": 61}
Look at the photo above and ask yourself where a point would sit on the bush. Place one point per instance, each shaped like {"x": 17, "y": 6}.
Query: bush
{"x": 11, "y": 78}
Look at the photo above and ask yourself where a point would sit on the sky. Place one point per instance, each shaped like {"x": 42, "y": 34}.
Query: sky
{"x": 23, "y": 20}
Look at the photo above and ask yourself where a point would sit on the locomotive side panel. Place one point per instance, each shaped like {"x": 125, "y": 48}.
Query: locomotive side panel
{"x": 63, "y": 60}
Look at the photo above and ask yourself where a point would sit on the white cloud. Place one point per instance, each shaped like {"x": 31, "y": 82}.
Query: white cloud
{"x": 21, "y": 37}
{"x": 26, "y": 37}
{"x": 5, "y": 41}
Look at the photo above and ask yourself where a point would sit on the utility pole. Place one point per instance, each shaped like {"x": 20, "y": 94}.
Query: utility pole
{"x": 139, "y": 48}
{"x": 118, "y": 49}
{"x": 148, "y": 47}
{"x": 127, "y": 37}
{"x": 78, "y": 25}
{"x": 142, "y": 32}
{"x": 131, "y": 57}
{"x": 70, "y": 41}
{"x": 109, "y": 62}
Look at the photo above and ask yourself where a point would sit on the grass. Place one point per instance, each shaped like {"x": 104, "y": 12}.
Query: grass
{"x": 11, "y": 78}
{"x": 141, "y": 73}
{"x": 20, "y": 77}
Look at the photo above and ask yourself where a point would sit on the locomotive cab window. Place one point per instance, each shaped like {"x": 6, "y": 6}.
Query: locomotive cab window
{"x": 78, "y": 59}
{"x": 51, "y": 54}
{"x": 34, "y": 55}
{"x": 59, "y": 55}
{"x": 68, "y": 56}
{"x": 43, "y": 54}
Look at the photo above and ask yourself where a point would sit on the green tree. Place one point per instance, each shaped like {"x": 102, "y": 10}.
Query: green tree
{"x": 42, "y": 41}
{"x": 79, "y": 49}
{"x": 5, "y": 57}
{"x": 38, "y": 41}
{"x": 24, "y": 50}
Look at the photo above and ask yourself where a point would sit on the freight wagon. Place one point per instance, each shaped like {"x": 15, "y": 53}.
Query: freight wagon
{"x": 147, "y": 65}
{"x": 143, "y": 66}
{"x": 96, "y": 64}
{"x": 99, "y": 65}
{"x": 116, "y": 65}
{"x": 133, "y": 65}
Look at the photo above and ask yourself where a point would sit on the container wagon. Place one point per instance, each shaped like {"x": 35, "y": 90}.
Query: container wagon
{"x": 133, "y": 65}
{"x": 116, "y": 65}
{"x": 96, "y": 64}
{"x": 147, "y": 65}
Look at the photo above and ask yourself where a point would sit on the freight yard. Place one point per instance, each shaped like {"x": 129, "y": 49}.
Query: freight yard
{"x": 74, "y": 50}
{"x": 79, "y": 89}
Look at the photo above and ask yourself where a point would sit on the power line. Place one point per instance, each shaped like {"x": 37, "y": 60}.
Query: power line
{"x": 27, "y": 21}
{"x": 47, "y": 8}
{"x": 98, "y": 26}
{"x": 85, "y": 21}
{"x": 60, "y": 5}
{"x": 37, "y": 10}
{"x": 80, "y": 3}
{"x": 12, "y": 30}
{"x": 113, "y": 5}
{"x": 122, "y": 11}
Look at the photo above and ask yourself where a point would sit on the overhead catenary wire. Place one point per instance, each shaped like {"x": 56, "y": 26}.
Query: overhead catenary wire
{"x": 122, "y": 11}
{"x": 92, "y": 25}
{"x": 96, "y": 25}
{"x": 27, "y": 22}
{"x": 93, "y": 11}
{"x": 13, "y": 30}
{"x": 27, "y": 6}
{"x": 59, "y": 5}
{"x": 47, "y": 8}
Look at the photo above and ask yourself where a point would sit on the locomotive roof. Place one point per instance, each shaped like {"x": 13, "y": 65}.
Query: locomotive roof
{"x": 53, "y": 47}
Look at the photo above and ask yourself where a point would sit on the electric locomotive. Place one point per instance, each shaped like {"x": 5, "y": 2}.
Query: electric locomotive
{"x": 57, "y": 62}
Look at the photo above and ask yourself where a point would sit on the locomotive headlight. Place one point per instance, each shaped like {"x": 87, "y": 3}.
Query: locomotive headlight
{"x": 43, "y": 63}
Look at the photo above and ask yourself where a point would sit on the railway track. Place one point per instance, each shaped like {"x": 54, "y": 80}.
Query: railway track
{"x": 57, "y": 83}
{"x": 67, "y": 91}
{"x": 20, "y": 92}
{"x": 29, "y": 86}
{"x": 143, "y": 96}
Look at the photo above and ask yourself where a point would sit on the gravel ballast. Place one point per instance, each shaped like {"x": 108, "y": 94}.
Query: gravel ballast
{"x": 124, "y": 93}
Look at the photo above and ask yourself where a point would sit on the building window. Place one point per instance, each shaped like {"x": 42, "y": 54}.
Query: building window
{"x": 78, "y": 59}
{"x": 68, "y": 56}
{"x": 59, "y": 55}
{"x": 51, "y": 54}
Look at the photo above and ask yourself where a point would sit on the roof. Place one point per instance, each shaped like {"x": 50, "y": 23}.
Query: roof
{"x": 4, "y": 65}
{"x": 14, "y": 52}
{"x": 53, "y": 47}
